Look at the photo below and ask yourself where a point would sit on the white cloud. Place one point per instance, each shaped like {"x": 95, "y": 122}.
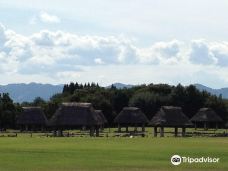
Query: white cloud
{"x": 62, "y": 55}
{"x": 45, "y": 17}
{"x": 48, "y": 18}
{"x": 201, "y": 54}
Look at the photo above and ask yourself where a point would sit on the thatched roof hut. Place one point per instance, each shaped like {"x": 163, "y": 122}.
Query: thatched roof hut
{"x": 32, "y": 116}
{"x": 131, "y": 116}
{"x": 170, "y": 116}
{"x": 75, "y": 114}
{"x": 102, "y": 117}
{"x": 206, "y": 115}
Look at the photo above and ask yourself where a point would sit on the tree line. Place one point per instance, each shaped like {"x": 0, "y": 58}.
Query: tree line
{"x": 149, "y": 98}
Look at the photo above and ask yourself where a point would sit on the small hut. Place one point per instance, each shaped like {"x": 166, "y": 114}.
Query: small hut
{"x": 32, "y": 118}
{"x": 73, "y": 115}
{"x": 205, "y": 118}
{"x": 131, "y": 116}
{"x": 170, "y": 116}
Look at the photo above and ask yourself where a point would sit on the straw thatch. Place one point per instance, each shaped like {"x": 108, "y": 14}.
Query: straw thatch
{"x": 75, "y": 114}
{"x": 206, "y": 115}
{"x": 170, "y": 116}
{"x": 32, "y": 116}
{"x": 131, "y": 115}
{"x": 102, "y": 117}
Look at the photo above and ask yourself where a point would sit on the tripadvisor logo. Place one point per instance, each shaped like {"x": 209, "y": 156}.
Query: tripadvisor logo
{"x": 176, "y": 160}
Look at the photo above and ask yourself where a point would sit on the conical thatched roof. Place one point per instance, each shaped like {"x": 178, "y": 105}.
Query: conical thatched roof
{"x": 206, "y": 115}
{"x": 32, "y": 116}
{"x": 170, "y": 116}
{"x": 75, "y": 114}
{"x": 102, "y": 117}
{"x": 131, "y": 115}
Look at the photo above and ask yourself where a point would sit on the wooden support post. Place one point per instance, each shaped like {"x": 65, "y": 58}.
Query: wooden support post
{"x": 176, "y": 132}
{"x": 135, "y": 129}
{"x": 162, "y": 132}
{"x": 155, "y": 131}
{"x": 119, "y": 128}
{"x": 216, "y": 125}
{"x": 183, "y": 131}
{"x": 42, "y": 128}
{"x": 195, "y": 125}
{"x": 26, "y": 127}
{"x": 143, "y": 128}
{"x": 92, "y": 131}
{"x": 126, "y": 128}
{"x": 54, "y": 133}
{"x": 97, "y": 131}
{"x": 205, "y": 126}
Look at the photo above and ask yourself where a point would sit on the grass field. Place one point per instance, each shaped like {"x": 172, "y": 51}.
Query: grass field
{"x": 68, "y": 154}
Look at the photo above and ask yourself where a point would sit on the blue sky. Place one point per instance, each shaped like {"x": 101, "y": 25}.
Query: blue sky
{"x": 106, "y": 41}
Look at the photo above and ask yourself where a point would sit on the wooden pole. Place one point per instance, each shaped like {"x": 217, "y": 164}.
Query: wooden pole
{"x": 97, "y": 131}
{"x": 155, "y": 131}
{"x": 26, "y": 127}
{"x": 143, "y": 128}
{"x": 126, "y": 128}
{"x": 176, "y": 131}
{"x": 119, "y": 128}
{"x": 135, "y": 128}
{"x": 183, "y": 131}
{"x": 216, "y": 125}
{"x": 54, "y": 133}
{"x": 205, "y": 126}
{"x": 162, "y": 132}
{"x": 92, "y": 131}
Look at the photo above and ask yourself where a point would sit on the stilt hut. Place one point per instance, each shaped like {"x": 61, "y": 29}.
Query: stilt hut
{"x": 74, "y": 115}
{"x": 32, "y": 118}
{"x": 131, "y": 116}
{"x": 206, "y": 118}
{"x": 170, "y": 116}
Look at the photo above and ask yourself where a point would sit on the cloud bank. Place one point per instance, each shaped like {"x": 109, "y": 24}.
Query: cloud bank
{"x": 62, "y": 54}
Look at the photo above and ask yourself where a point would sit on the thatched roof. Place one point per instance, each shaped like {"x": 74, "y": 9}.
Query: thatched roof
{"x": 131, "y": 115}
{"x": 75, "y": 114}
{"x": 206, "y": 115}
{"x": 32, "y": 116}
{"x": 102, "y": 117}
{"x": 170, "y": 116}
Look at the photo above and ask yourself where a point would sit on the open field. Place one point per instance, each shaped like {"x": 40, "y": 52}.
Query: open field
{"x": 67, "y": 154}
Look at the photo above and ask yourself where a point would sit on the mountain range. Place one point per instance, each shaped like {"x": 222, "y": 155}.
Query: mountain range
{"x": 28, "y": 92}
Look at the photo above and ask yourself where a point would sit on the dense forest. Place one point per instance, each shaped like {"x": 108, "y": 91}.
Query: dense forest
{"x": 111, "y": 100}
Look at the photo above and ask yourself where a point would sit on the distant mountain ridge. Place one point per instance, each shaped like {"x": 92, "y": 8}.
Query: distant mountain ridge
{"x": 217, "y": 92}
{"x": 120, "y": 85}
{"x": 28, "y": 92}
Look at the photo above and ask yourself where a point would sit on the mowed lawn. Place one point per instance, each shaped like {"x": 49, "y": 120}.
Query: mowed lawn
{"x": 68, "y": 154}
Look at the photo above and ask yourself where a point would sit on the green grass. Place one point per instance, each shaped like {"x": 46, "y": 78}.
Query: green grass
{"x": 67, "y": 154}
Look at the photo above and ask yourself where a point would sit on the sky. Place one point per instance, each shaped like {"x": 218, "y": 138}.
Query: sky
{"x": 108, "y": 41}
